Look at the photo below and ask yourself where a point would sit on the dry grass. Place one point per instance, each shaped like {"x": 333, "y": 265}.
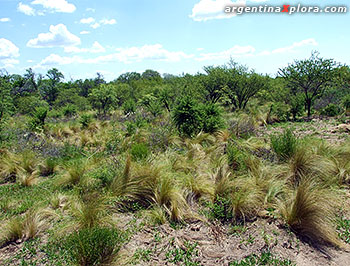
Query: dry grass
{"x": 310, "y": 213}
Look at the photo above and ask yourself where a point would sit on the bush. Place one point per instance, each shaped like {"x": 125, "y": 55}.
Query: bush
{"x": 346, "y": 102}
{"x": 212, "y": 118}
{"x": 38, "y": 119}
{"x": 69, "y": 110}
{"x": 93, "y": 246}
{"x": 220, "y": 209}
{"x": 129, "y": 107}
{"x": 281, "y": 111}
{"x": 284, "y": 144}
{"x": 331, "y": 110}
{"x": 187, "y": 116}
{"x": 235, "y": 156}
{"x": 85, "y": 120}
{"x": 139, "y": 151}
{"x": 190, "y": 117}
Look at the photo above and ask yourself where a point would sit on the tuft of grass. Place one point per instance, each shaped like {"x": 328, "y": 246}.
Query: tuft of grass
{"x": 13, "y": 230}
{"x": 284, "y": 144}
{"x": 48, "y": 167}
{"x": 93, "y": 246}
{"x": 310, "y": 213}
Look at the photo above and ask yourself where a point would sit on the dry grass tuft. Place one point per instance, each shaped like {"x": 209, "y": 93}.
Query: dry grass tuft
{"x": 310, "y": 213}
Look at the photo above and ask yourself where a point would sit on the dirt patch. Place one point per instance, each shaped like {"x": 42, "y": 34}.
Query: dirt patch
{"x": 221, "y": 244}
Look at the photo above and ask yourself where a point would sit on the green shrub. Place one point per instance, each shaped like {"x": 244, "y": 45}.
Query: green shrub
{"x": 38, "y": 119}
{"x": 85, "y": 120}
{"x": 220, "y": 209}
{"x": 346, "y": 102}
{"x": 93, "y": 246}
{"x": 331, "y": 110}
{"x": 190, "y": 117}
{"x": 139, "y": 151}
{"x": 211, "y": 118}
{"x": 129, "y": 107}
{"x": 69, "y": 110}
{"x": 281, "y": 111}
{"x": 284, "y": 144}
{"x": 187, "y": 116}
{"x": 235, "y": 156}
{"x": 26, "y": 105}
{"x": 296, "y": 106}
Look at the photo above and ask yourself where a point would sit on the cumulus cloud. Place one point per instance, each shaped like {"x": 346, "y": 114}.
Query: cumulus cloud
{"x": 235, "y": 51}
{"x": 25, "y": 9}
{"x": 108, "y": 21}
{"x": 56, "y": 5}
{"x": 291, "y": 48}
{"x": 8, "y": 53}
{"x": 96, "y": 24}
{"x": 244, "y": 51}
{"x": 5, "y": 19}
{"x": 126, "y": 55}
{"x": 96, "y": 48}
{"x": 87, "y": 20}
{"x": 84, "y": 32}
{"x": 59, "y": 36}
{"x": 213, "y": 9}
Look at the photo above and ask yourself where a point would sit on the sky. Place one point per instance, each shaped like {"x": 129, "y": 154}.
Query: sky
{"x": 84, "y": 37}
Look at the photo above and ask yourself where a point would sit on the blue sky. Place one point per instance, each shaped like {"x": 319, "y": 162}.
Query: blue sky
{"x": 83, "y": 37}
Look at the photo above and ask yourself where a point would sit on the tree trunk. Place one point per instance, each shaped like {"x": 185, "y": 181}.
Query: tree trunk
{"x": 308, "y": 105}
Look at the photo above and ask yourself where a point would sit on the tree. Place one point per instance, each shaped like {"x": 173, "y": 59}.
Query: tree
{"x": 214, "y": 82}
{"x": 49, "y": 88}
{"x": 128, "y": 77}
{"x": 31, "y": 81}
{"x": 310, "y": 76}
{"x": 243, "y": 84}
{"x": 103, "y": 97}
{"x": 6, "y": 103}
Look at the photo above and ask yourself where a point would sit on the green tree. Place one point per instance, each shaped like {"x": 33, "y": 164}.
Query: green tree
{"x": 310, "y": 76}
{"x": 49, "y": 88}
{"x": 214, "y": 82}
{"x": 243, "y": 84}
{"x": 6, "y": 102}
{"x": 103, "y": 97}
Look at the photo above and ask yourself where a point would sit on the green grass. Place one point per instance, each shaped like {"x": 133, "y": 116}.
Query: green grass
{"x": 343, "y": 228}
{"x": 265, "y": 258}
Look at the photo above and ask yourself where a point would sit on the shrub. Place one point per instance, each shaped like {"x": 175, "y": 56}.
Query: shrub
{"x": 93, "y": 246}
{"x": 346, "y": 102}
{"x": 85, "y": 120}
{"x": 187, "y": 116}
{"x": 38, "y": 119}
{"x": 190, "y": 117}
{"x": 331, "y": 110}
{"x": 281, "y": 111}
{"x": 284, "y": 144}
{"x": 235, "y": 156}
{"x": 69, "y": 110}
{"x": 129, "y": 107}
{"x": 221, "y": 209}
{"x": 211, "y": 118}
{"x": 139, "y": 151}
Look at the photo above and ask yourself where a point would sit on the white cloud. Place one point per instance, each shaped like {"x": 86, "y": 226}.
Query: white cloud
{"x": 96, "y": 24}
{"x": 5, "y": 19}
{"x": 84, "y": 32}
{"x": 8, "y": 53}
{"x": 235, "y": 51}
{"x": 213, "y": 9}
{"x": 7, "y": 49}
{"x": 56, "y": 5}
{"x": 59, "y": 36}
{"x": 291, "y": 48}
{"x": 108, "y": 22}
{"x": 25, "y": 9}
{"x": 96, "y": 48}
{"x": 125, "y": 55}
{"x": 87, "y": 20}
